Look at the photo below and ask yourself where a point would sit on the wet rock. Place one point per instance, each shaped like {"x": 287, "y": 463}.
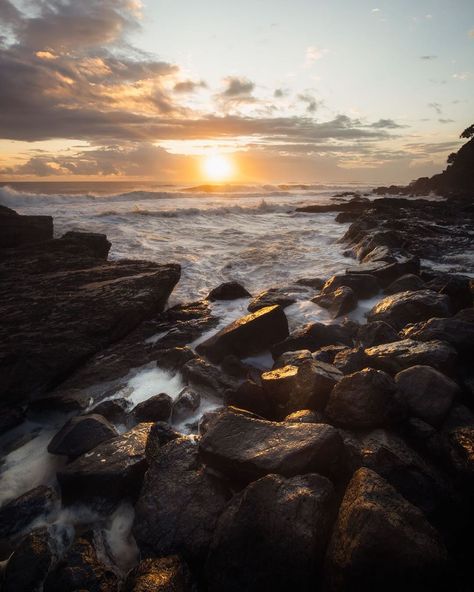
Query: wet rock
{"x": 426, "y": 393}
{"x": 314, "y": 336}
{"x": 81, "y": 434}
{"x": 300, "y": 387}
{"x": 365, "y": 399}
{"x": 115, "y": 410}
{"x": 228, "y": 291}
{"x": 95, "y": 243}
{"x": 66, "y": 401}
{"x": 376, "y": 333}
{"x": 81, "y": 569}
{"x": 18, "y": 513}
{"x": 160, "y": 434}
{"x": 316, "y": 283}
{"x": 458, "y": 332}
{"x": 200, "y": 374}
{"x": 457, "y": 287}
{"x": 394, "y": 357}
{"x": 381, "y": 253}
{"x": 352, "y": 360}
{"x": 112, "y": 470}
{"x": 305, "y": 416}
{"x": 179, "y": 504}
{"x": 363, "y": 285}
{"x": 271, "y": 297}
{"x": 186, "y": 404}
{"x": 388, "y": 273}
{"x": 233, "y": 366}
{"x": 10, "y": 418}
{"x": 166, "y": 574}
{"x": 328, "y": 353}
{"x": 293, "y": 358}
{"x": 252, "y": 397}
{"x": 244, "y": 449}
{"x": 405, "y": 283}
{"x": 339, "y": 302}
{"x": 410, "y": 307}
{"x": 248, "y": 335}
{"x": 156, "y": 408}
{"x": 207, "y": 418}
{"x": 382, "y": 542}
{"x": 175, "y": 358}
{"x": 272, "y": 536}
{"x": 17, "y": 230}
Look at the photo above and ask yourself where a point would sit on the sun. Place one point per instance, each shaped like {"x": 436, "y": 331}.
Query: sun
{"x": 218, "y": 167}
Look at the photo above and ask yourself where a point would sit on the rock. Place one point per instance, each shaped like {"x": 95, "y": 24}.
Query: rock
{"x": 305, "y": 416}
{"x": 252, "y": 397}
{"x": 115, "y": 410}
{"x": 244, "y": 449}
{"x": 386, "y": 273}
{"x": 156, "y": 408}
{"x": 160, "y": 434}
{"x": 272, "y": 536}
{"x": 29, "y": 565}
{"x": 175, "y": 358}
{"x": 352, "y": 360}
{"x": 316, "y": 283}
{"x": 381, "y": 253}
{"x": 376, "y": 333}
{"x": 66, "y": 401}
{"x": 426, "y": 393}
{"x": 328, "y": 353}
{"x": 457, "y": 287}
{"x": 81, "y": 434}
{"x": 293, "y": 358}
{"x": 365, "y": 399}
{"x": 18, "y": 513}
{"x": 17, "y": 230}
{"x": 271, "y": 297}
{"x": 179, "y": 504}
{"x": 10, "y": 418}
{"x": 166, "y": 574}
{"x": 186, "y": 404}
{"x": 228, "y": 291}
{"x": 314, "y": 336}
{"x": 300, "y": 387}
{"x": 81, "y": 569}
{"x": 200, "y": 374}
{"x": 406, "y": 283}
{"x": 339, "y": 302}
{"x": 112, "y": 470}
{"x": 248, "y": 335}
{"x": 410, "y": 307}
{"x": 457, "y": 332}
{"x": 97, "y": 244}
{"x": 394, "y": 357}
{"x": 382, "y": 542}
{"x": 363, "y": 285}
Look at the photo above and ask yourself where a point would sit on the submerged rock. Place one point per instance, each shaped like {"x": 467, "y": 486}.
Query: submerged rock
{"x": 339, "y": 302}
{"x": 166, "y": 574}
{"x": 80, "y": 434}
{"x": 272, "y": 536}
{"x": 228, "y": 291}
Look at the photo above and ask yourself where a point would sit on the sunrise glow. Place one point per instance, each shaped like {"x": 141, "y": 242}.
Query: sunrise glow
{"x": 217, "y": 167}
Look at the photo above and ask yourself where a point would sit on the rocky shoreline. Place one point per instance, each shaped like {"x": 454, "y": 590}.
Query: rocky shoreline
{"x": 346, "y": 465}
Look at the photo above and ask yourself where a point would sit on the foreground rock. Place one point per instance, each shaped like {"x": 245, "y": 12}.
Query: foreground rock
{"x": 17, "y": 230}
{"x": 313, "y": 336}
{"x": 363, "y": 285}
{"x": 18, "y": 513}
{"x": 382, "y": 542}
{"x": 248, "y": 335}
{"x": 167, "y": 574}
{"x": 410, "y": 307}
{"x": 455, "y": 330}
{"x": 228, "y": 291}
{"x": 179, "y": 504}
{"x": 339, "y": 302}
{"x": 244, "y": 449}
{"x": 271, "y": 297}
{"x": 376, "y": 333}
{"x": 80, "y": 434}
{"x": 112, "y": 470}
{"x": 394, "y": 357}
{"x": 272, "y": 536}
{"x": 156, "y": 408}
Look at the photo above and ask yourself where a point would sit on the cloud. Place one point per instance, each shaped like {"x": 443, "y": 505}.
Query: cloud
{"x": 375, "y": 10}
{"x": 311, "y": 103}
{"x": 386, "y": 124}
{"x": 441, "y": 120}
{"x": 189, "y": 86}
{"x": 313, "y": 54}
{"x": 462, "y": 75}
{"x": 237, "y": 87}
{"x": 428, "y": 57}
{"x": 280, "y": 93}
{"x": 436, "y": 107}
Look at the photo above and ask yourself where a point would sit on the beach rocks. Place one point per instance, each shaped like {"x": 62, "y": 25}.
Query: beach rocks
{"x": 352, "y": 360}
{"x": 426, "y": 393}
{"x": 112, "y": 470}
{"x": 228, "y": 291}
{"x": 18, "y": 513}
{"x": 397, "y": 356}
{"x": 410, "y": 307}
{"x": 386, "y": 273}
{"x": 376, "y": 333}
{"x": 405, "y": 283}
{"x": 114, "y": 410}
{"x": 244, "y": 449}
{"x": 252, "y": 397}
{"x": 200, "y": 374}
{"x": 363, "y": 285}
{"x": 156, "y": 408}
{"x": 271, "y": 297}
{"x": 272, "y": 536}
{"x": 248, "y": 335}
{"x": 160, "y": 434}
{"x": 456, "y": 331}
{"x": 314, "y": 336}
{"x": 17, "y": 230}
{"x": 365, "y": 399}
{"x": 95, "y": 244}
{"x": 339, "y": 302}
{"x": 80, "y": 434}
{"x": 382, "y": 542}
{"x": 166, "y": 574}
{"x": 186, "y": 404}
{"x": 179, "y": 504}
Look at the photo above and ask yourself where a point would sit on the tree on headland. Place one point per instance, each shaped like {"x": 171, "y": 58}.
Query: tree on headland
{"x": 468, "y": 132}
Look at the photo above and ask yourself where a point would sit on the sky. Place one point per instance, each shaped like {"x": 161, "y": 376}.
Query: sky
{"x": 259, "y": 90}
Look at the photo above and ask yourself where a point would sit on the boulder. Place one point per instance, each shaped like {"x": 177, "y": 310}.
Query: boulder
{"x": 10, "y": 418}
{"x": 160, "y": 434}
{"x": 244, "y": 449}
{"x": 156, "y": 408}
{"x": 228, "y": 291}
{"x": 394, "y": 357}
{"x": 328, "y": 353}
{"x": 382, "y": 542}
{"x": 18, "y": 513}
{"x": 179, "y": 504}
{"x": 410, "y": 307}
{"x": 376, "y": 333}
{"x": 293, "y": 358}
{"x": 457, "y": 287}
{"x": 352, "y": 360}
{"x": 456, "y": 331}
{"x": 95, "y": 243}
{"x": 386, "y": 273}
{"x": 364, "y": 399}
{"x": 313, "y": 336}
{"x": 272, "y": 536}
{"x": 112, "y": 470}
{"x": 186, "y": 404}
{"x": 271, "y": 297}
{"x": 305, "y": 416}
{"x": 114, "y": 410}
{"x": 80, "y": 434}
{"x": 200, "y": 374}
{"x": 405, "y": 283}
{"x": 166, "y": 574}
{"x": 175, "y": 358}
{"x": 248, "y": 335}
{"x": 363, "y": 285}
{"x": 315, "y": 283}
{"x": 426, "y": 393}
{"x": 339, "y": 302}
{"x": 252, "y": 397}
{"x": 17, "y": 230}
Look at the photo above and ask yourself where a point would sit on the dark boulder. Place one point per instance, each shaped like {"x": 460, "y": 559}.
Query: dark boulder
{"x": 114, "y": 410}
{"x": 394, "y": 357}
{"x": 179, "y": 504}
{"x": 457, "y": 287}
{"x": 315, "y": 283}
{"x": 244, "y": 449}
{"x": 456, "y": 331}
{"x": 352, "y": 360}
{"x": 18, "y": 513}
{"x": 328, "y": 353}
{"x": 271, "y": 297}
{"x": 200, "y": 374}
{"x": 160, "y": 434}
{"x": 156, "y": 408}
{"x": 248, "y": 335}
{"x": 376, "y": 333}
{"x": 112, "y": 470}
{"x": 365, "y": 399}
{"x": 252, "y": 397}
{"x": 382, "y": 542}
{"x": 272, "y": 536}
{"x": 405, "y": 283}
{"x": 426, "y": 393}
{"x": 386, "y": 273}
{"x": 305, "y": 416}
{"x": 186, "y": 404}
{"x": 94, "y": 243}
{"x": 314, "y": 336}
{"x": 10, "y": 418}
{"x": 363, "y": 285}
{"x": 166, "y": 574}
{"x": 174, "y": 358}
{"x": 410, "y": 307}
{"x": 80, "y": 434}
{"x": 293, "y": 358}
{"x": 228, "y": 291}
{"x": 339, "y": 302}
{"x": 17, "y": 230}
